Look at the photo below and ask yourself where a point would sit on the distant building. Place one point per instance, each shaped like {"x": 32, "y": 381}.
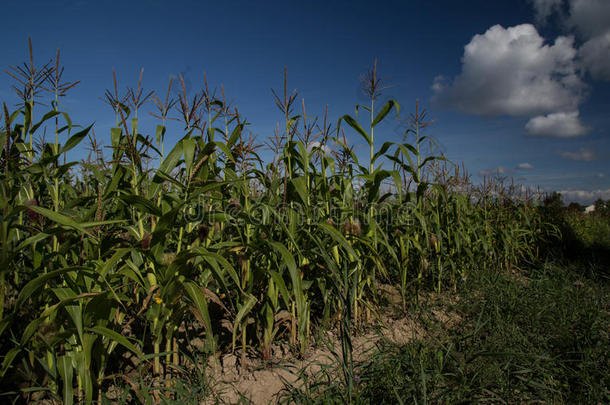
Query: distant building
{"x": 590, "y": 208}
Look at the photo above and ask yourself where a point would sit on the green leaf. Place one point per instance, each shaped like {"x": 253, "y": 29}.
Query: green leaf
{"x": 201, "y": 306}
{"x": 31, "y": 287}
{"x": 354, "y": 124}
{"x": 188, "y": 146}
{"x": 164, "y": 177}
{"x": 107, "y": 264}
{"x": 125, "y": 109}
{"x": 373, "y": 186}
{"x": 421, "y": 189}
{"x": 117, "y": 176}
{"x": 159, "y": 133}
{"x": 382, "y": 150}
{"x": 225, "y": 149}
{"x": 293, "y": 271}
{"x": 5, "y": 322}
{"x": 241, "y": 315}
{"x": 32, "y": 240}
{"x": 33, "y": 327}
{"x": 359, "y": 106}
{"x": 116, "y": 337}
{"x": 63, "y": 169}
{"x": 348, "y": 149}
{"x": 93, "y": 224}
{"x": 62, "y": 220}
{"x": 279, "y": 282}
{"x": 409, "y": 147}
{"x": 47, "y": 116}
{"x": 235, "y": 134}
{"x": 64, "y": 366}
{"x": 67, "y": 298}
{"x": 431, "y": 158}
{"x": 397, "y": 181}
{"x": 115, "y": 136}
{"x": 143, "y": 204}
{"x": 166, "y": 167}
{"x": 303, "y": 156}
{"x": 384, "y": 111}
{"x": 75, "y": 139}
{"x": 8, "y": 359}
{"x": 168, "y": 220}
{"x": 68, "y": 121}
{"x": 27, "y": 112}
{"x": 339, "y": 238}
{"x": 301, "y": 188}
{"x": 83, "y": 366}
{"x": 227, "y": 267}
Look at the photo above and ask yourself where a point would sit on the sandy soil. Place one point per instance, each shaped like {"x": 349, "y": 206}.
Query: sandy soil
{"x": 257, "y": 383}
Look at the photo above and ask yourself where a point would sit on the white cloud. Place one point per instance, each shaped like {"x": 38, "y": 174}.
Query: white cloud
{"x": 511, "y": 71}
{"x": 584, "y": 196}
{"x": 497, "y": 171}
{"x": 583, "y": 155}
{"x": 560, "y": 125}
{"x": 525, "y": 166}
{"x": 544, "y": 8}
{"x": 439, "y": 83}
{"x": 595, "y": 56}
{"x": 514, "y": 71}
{"x": 589, "y": 17}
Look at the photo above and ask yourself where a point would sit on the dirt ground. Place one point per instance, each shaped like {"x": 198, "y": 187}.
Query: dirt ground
{"x": 258, "y": 383}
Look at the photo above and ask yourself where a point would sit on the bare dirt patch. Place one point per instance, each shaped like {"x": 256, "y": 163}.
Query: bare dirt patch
{"x": 257, "y": 383}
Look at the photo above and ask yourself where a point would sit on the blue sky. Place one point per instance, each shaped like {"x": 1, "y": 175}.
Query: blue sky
{"x": 516, "y": 87}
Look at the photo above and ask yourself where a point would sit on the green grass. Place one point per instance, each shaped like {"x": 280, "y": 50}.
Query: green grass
{"x": 543, "y": 338}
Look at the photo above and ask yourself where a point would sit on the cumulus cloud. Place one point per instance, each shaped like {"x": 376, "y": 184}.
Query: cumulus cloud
{"x": 584, "y": 196}
{"x": 560, "y": 125}
{"x": 544, "y": 8}
{"x": 589, "y": 17}
{"x": 525, "y": 166}
{"x": 583, "y": 155}
{"x": 514, "y": 71}
{"x": 595, "y": 56}
{"x": 511, "y": 71}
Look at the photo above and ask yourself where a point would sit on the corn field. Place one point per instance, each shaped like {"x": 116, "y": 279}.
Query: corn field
{"x": 128, "y": 255}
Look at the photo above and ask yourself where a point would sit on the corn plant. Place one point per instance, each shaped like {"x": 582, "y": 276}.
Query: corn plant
{"x": 154, "y": 244}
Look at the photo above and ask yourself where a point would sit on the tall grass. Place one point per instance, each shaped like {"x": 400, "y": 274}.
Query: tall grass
{"x": 536, "y": 339}
{"x": 137, "y": 252}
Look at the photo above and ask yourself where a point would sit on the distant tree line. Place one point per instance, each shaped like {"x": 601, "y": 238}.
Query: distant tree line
{"x": 554, "y": 203}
